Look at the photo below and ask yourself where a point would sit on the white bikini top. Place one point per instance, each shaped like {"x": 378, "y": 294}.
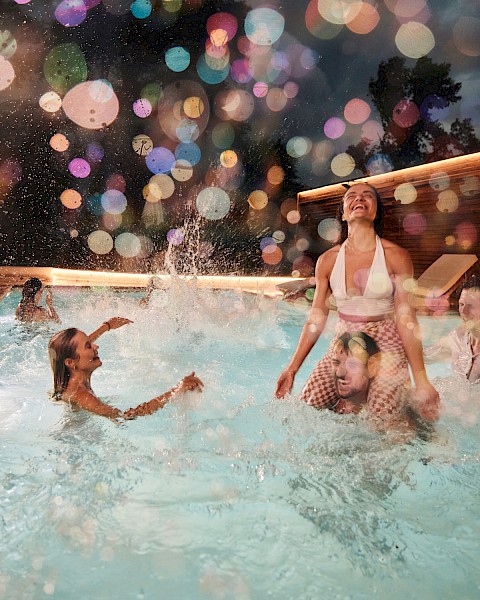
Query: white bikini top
{"x": 377, "y": 299}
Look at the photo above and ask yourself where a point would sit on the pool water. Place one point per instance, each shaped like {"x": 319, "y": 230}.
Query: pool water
{"x": 228, "y": 494}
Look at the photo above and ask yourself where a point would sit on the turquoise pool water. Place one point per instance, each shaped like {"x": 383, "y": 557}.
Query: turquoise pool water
{"x": 230, "y": 494}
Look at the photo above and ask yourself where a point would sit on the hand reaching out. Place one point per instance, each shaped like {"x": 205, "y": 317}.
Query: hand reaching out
{"x": 190, "y": 383}
{"x": 116, "y": 322}
{"x": 49, "y": 297}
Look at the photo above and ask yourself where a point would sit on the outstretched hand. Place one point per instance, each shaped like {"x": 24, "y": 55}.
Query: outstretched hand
{"x": 49, "y": 297}
{"x": 427, "y": 402}
{"x": 284, "y": 383}
{"x": 190, "y": 383}
{"x": 116, "y": 322}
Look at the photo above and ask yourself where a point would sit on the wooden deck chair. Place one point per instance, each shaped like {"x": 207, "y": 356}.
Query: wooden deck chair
{"x": 442, "y": 278}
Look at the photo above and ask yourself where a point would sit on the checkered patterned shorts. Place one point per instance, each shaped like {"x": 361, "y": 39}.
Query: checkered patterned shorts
{"x": 388, "y": 390}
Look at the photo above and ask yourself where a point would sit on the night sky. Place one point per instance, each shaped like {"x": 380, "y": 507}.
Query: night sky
{"x": 128, "y": 127}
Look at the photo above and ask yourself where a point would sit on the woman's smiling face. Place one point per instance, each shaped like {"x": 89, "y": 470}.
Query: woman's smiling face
{"x": 87, "y": 358}
{"x": 360, "y": 201}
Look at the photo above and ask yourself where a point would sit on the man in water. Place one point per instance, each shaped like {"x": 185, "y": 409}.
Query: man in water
{"x": 355, "y": 362}
{"x": 462, "y": 345}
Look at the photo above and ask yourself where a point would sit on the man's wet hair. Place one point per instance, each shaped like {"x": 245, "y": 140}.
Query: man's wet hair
{"x": 358, "y": 343}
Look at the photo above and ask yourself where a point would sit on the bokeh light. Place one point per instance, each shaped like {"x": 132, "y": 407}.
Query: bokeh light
{"x": 71, "y": 199}
{"x": 142, "y": 144}
{"x": 79, "y": 167}
{"x": 100, "y": 242}
{"x": 415, "y": 224}
{"x": 94, "y": 152}
{"x": 65, "y": 66}
{"x": 71, "y": 13}
{"x": 329, "y": 229}
{"x": 378, "y": 164}
{"x": 278, "y": 236}
{"x": 339, "y": 12}
{"x": 160, "y": 160}
{"x": 318, "y": 25}
{"x": 275, "y": 175}
{"x": 182, "y": 170}
{"x": 343, "y": 164}
{"x": 447, "y": 201}
{"x": 50, "y": 101}
{"x": 264, "y": 26}
{"x": 258, "y": 199}
{"x": 260, "y": 89}
{"x": 365, "y": 20}
{"x": 8, "y": 44}
{"x": 188, "y": 151}
{"x": 272, "y": 254}
{"x": 175, "y": 236}
{"x": 222, "y": 27}
{"x": 141, "y": 9}
{"x": 213, "y": 203}
{"x": 142, "y": 108}
{"x": 116, "y": 181}
{"x": 59, "y": 142}
{"x": 406, "y": 113}
{"x": 466, "y": 235}
{"x": 161, "y": 186}
{"x": 334, "y": 128}
{"x": 405, "y": 193}
{"x": 466, "y": 35}
{"x": 171, "y": 114}
{"x": 127, "y": 245}
{"x": 414, "y": 39}
{"x": 298, "y": 146}
{"x": 177, "y": 59}
{"x": 434, "y": 108}
{"x": 92, "y": 104}
{"x": 439, "y": 181}
{"x": 356, "y": 111}
{"x": 228, "y": 159}
{"x": 470, "y": 185}
{"x": 114, "y": 202}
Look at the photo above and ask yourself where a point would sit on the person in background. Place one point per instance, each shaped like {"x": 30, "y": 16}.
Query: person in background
{"x": 364, "y": 279}
{"x": 462, "y": 345}
{"x": 74, "y": 357}
{"x": 355, "y": 362}
{"x": 28, "y": 310}
{"x": 152, "y": 285}
{"x": 4, "y": 291}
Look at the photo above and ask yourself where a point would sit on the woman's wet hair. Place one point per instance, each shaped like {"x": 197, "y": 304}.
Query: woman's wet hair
{"x": 378, "y": 221}
{"x": 30, "y": 288}
{"x": 61, "y": 347}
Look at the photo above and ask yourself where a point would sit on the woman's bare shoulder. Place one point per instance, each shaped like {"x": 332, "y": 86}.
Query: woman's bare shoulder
{"x": 326, "y": 261}
{"x": 394, "y": 249}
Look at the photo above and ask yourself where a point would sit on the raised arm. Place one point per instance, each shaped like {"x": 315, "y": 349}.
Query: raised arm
{"x": 427, "y": 401}
{"x": 113, "y": 323}
{"x": 314, "y": 325}
{"x": 50, "y": 309}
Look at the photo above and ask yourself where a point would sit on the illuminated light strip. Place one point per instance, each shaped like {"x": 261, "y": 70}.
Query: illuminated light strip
{"x": 78, "y": 278}
{"x": 417, "y": 174}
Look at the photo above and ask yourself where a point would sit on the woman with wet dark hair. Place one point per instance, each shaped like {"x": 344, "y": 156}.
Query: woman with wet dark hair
{"x": 364, "y": 279}
{"x": 29, "y": 310}
{"x": 74, "y": 357}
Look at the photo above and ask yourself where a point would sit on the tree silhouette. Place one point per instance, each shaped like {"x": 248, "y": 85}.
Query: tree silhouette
{"x": 413, "y": 104}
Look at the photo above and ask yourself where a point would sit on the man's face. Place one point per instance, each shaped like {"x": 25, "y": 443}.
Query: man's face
{"x": 351, "y": 375}
{"x": 469, "y": 306}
